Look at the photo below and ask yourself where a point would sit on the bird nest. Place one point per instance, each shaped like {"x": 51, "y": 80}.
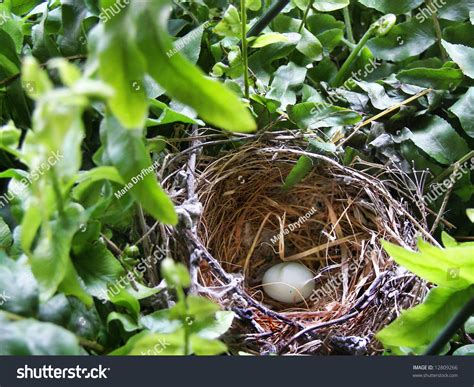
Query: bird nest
{"x": 332, "y": 222}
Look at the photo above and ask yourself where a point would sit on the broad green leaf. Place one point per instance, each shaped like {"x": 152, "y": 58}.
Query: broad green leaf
{"x": 30, "y": 337}
{"x": 98, "y": 268}
{"x": 182, "y": 80}
{"x": 127, "y": 322}
{"x": 438, "y": 139}
{"x": 456, "y": 10}
{"x": 229, "y": 26}
{"x": 469, "y": 326}
{"x": 330, "y": 5}
{"x": 21, "y": 7}
{"x": 206, "y": 347}
{"x": 222, "y": 323}
{"x": 161, "y": 322}
{"x": 310, "y": 46}
{"x": 190, "y": 44}
{"x": 6, "y": 239}
{"x": 465, "y": 350}
{"x": 419, "y": 326}
{"x": 18, "y": 287}
{"x": 451, "y": 267}
{"x": 73, "y": 40}
{"x": 253, "y": 5}
{"x": 122, "y": 66}
{"x": 441, "y": 79}
{"x": 389, "y": 6}
{"x": 146, "y": 343}
{"x": 464, "y": 110}
{"x": 267, "y": 39}
{"x": 136, "y": 169}
{"x": 287, "y": 78}
{"x": 463, "y": 56}
{"x": 50, "y": 258}
{"x": 309, "y": 115}
{"x": 377, "y": 94}
{"x": 403, "y": 41}
{"x": 120, "y": 297}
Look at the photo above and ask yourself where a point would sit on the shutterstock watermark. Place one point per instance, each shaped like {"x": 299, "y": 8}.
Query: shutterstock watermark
{"x": 108, "y": 13}
{"x": 356, "y": 76}
{"x": 430, "y": 9}
{"x": 293, "y": 226}
{"x": 50, "y": 372}
{"x": 332, "y": 285}
{"x": 34, "y": 175}
{"x": 124, "y": 281}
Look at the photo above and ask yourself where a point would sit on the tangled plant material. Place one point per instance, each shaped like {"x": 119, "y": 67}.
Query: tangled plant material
{"x": 332, "y": 222}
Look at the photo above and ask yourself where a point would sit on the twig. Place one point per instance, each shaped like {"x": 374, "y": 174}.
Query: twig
{"x": 444, "y": 204}
{"x": 384, "y": 113}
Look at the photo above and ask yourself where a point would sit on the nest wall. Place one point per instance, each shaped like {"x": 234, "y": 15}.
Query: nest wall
{"x": 332, "y": 222}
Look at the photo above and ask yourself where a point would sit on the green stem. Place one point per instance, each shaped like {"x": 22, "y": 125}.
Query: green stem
{"x": 347, "y": 20}
{"x": 305, "y": 16}
{"x": 245, "y": 61}
{"x": 439, "y": 33}
{"x": 342, "y": 74}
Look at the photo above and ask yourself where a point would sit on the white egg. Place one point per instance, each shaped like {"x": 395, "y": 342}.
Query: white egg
{"x": 288, "y": 282}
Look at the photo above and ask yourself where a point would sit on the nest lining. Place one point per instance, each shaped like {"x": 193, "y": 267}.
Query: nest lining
{"x": 332, "y": 222}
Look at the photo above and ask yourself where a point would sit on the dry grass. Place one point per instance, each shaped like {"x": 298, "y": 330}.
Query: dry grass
{"x": 358, "y": 288}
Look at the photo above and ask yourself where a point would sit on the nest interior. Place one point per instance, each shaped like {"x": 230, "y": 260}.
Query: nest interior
{"x": 332, "y": 222}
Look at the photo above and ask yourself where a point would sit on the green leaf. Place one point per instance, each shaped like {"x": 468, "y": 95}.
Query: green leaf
{"x": 267, "y": 39}
{"x": 303, "y": 167}
{"x": 136, "y": 166}
{"x": 6, "y": 239}
{"x": 52, "y": 251}
{"x": 206, "y": 347}
{"x": 464, "y": 110}
{"x": 389, "y": 6}
{"x": 153, "y": 344}
{"x": 463, "y": 56}
{"x": 222, "y": 323}
{"x": 97, "y": 267}
{"x": 122, "y": 66}
{"x": 469, "y": 326}
{"x": 30, "y": 337}
{"x": 310, "y": 45}
{"x": 456, "y": 10}
{"x": 21, "y": 7}
{"x": 330, "y": 5}
{"x": 452, "y": 267}
{"x": 439, "y": 140}
{"x": 310, "y": 115}
{"x": 18, "y": 287}
{"x": 161, "y": 322}
{"x": 419, "y": 326}
{"x": 287, "y": 78}
{"x": 181, "y": 79}
{"x": 403, "y": 41}
{"x": 441, "y": 79}
{"x": 229, "y": 26}
{"x": 174, "y": 273}
{"x": 466, "y": 350}
{"x": 128, "y": 324}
